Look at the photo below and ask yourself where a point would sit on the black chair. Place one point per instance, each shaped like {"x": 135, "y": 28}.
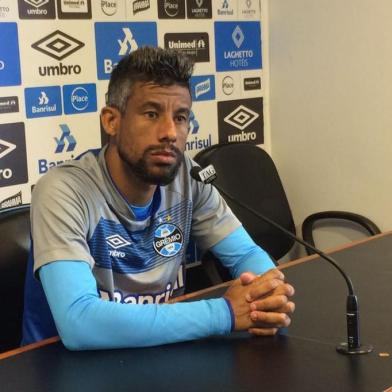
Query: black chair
{"x": 15, "y": 239}
{"x": 336, "y": 218}
{"x": 248, "y": 173}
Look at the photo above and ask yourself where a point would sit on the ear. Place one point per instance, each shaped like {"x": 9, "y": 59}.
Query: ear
{"x": 110, "y": 118}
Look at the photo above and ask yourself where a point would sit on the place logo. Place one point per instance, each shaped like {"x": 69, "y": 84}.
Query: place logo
{"x": 74, "y": 9}
{"x": 65, "y": 138}
{"x": 37, "y": 9}
{"x": 171, "y": 9}
{"x": 12, "y": 201}
{"x": 226, "y": 8}
{"x": 140, "y": 6}
{"x": 252, "y": 83}
{"x": 194, "y": 45}
{"x": 228, "y": 85}
{"x": 13, "y": 160}
{"x": 203, "y": 87}
{"x": 242, "y": 51}
{"x": 79, "y": 98}
{"x": 115, "y": 40}
{"x": 194, "y": 141}
{"x": 168, "y": 240}
{"x": 59, "y": 46}
{"x": 199, "y": 9}
{"x": 43, "y": 101}
{"x": 109, "y": 7}
{"x": 9, "y": 104}
{"x": 241, "y": 121}
{"x": 9, "y": 55}
{"x": 249, "y": 9}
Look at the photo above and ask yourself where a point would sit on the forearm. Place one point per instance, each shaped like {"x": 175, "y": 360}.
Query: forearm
{"x": 239, "y": 254}
{"x": 85, "y": 321}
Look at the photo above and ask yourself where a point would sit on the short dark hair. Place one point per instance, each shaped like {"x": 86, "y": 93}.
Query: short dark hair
{"x": 164, "y": 67}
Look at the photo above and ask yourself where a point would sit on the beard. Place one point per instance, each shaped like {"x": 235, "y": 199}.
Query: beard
{"x": 149, "y": 173}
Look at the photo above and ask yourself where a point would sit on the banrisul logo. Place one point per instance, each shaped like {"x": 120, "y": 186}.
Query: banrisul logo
{"x": 58, "y": 45}
{"x": 80, "y": 98}
{"x": 237, "y": 46}
{"x": 13, "y": 160}
{"x": 241, "y": 121}
{"x": 194, "y": 141}
{"x": 66, "y": 142}
{"x": 36, "y": 9}
{"x": 9, "y": 55}
{"x": 168, "y": 240}
{"x": 194, "y": 45}
{"x": 43, "y": 101}
{"x": 203, "y": 87}
{"x": 115, "y": 40}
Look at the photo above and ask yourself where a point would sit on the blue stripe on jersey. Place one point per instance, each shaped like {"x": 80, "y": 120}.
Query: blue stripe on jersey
{"x": 126, "y": 252}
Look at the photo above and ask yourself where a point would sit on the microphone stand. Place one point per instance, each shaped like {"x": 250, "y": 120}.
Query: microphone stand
{"x": 353, "y": 344}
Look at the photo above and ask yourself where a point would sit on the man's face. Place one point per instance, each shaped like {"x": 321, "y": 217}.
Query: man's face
{"x": 153, "y": 131}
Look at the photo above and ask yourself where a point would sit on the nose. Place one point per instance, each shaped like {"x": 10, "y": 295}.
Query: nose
{"x": 167, "y": 130}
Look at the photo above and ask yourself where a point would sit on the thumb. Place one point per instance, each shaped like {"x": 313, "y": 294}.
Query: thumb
{"x": 247, "y": 278}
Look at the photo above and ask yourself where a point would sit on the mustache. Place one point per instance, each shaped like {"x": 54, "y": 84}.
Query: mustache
{"x": 163, "y": 147}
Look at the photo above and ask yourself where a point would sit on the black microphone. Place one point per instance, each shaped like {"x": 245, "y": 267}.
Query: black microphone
{"x": 353, "y": 344}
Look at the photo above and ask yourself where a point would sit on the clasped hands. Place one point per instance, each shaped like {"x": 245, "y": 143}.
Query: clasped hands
{"x": 261, "y": 304}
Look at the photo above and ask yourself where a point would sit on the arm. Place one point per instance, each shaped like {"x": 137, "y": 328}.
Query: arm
{"x": 85, "y": 321}
{"x": 239, "y": 254}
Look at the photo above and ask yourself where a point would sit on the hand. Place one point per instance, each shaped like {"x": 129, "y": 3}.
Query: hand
{"x": 269, "y": 311}
{"x": 260, "y": 303}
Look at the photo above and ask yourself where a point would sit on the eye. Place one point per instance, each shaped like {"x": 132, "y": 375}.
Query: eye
{"x": 182, "y": 118}
{"x": 151, "y": 114}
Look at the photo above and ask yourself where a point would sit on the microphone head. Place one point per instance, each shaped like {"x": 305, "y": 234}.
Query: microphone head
{"x": 206, "y": 175}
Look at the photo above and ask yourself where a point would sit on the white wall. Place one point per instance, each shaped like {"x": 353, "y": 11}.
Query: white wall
{"x": 330, "y": 105}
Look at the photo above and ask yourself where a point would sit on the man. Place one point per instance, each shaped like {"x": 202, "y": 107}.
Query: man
{"x": 110, "y": 230}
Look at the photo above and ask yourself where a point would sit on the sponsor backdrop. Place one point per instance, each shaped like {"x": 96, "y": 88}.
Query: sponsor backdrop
{"x": 56, "y": 57}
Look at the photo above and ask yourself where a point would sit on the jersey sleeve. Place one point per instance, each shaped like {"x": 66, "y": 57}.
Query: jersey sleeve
{"x": 239, "y": 254}
{"x": 85, "y": 321}
{"x": 59, "y": 221}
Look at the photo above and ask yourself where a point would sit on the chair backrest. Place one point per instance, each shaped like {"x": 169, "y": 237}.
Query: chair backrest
{"x": 15, "y": 243}
{"x": 248, "y": 173}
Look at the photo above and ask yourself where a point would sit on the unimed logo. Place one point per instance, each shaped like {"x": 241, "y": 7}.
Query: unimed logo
{"x": 195, "y": 45}
{"x": 13, "y": 161}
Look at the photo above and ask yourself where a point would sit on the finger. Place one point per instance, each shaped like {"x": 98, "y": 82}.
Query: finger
{"x": 273, "y": 273}
{"x": 262, "y": 288}
{"x": 247, "y": 278}
{"x": 263, "y": 331}
{"x": 273, "y": 302}
{"x": 285, "y": 289}
{"x": 270, "y": 319}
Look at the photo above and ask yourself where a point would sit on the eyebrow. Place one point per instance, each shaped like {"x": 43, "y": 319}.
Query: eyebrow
{"x": 159, "y": 107}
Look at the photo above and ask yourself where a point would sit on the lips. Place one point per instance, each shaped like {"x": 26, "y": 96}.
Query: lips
{"x": 165, "y": 157}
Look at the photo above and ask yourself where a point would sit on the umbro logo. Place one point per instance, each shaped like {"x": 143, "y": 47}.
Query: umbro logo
{"x": 58, "y": 45}
{"x": 116, "y": 241}
{"x": 6, "y": 148}
{"x": 36, "y": 3}
{"x": 241, "y": 117}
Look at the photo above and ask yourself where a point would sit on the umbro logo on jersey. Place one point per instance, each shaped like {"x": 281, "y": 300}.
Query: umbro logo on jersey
{"x": 116, "y": 241}
{"x": 58, "y": 45}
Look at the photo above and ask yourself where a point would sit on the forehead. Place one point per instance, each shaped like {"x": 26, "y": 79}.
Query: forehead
{"x": 143, "y": 92}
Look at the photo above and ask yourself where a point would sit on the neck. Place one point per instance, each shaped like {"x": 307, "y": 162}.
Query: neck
{"x": 135, "y": 191}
